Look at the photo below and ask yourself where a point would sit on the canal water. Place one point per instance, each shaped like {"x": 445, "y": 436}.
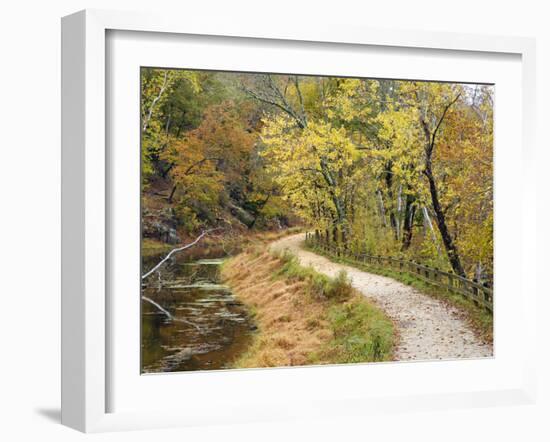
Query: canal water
{"x": 189, "y": 319}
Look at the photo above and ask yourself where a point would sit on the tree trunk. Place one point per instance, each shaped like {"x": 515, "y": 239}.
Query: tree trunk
{"x": 259, "y": 208}
{"x": 431, "y": 136}
{"x": 408, "y": 222}
{"x": 381, "y": 209}
{"x": 174, "y": 187}
{"x": 388, "y": 178}
{"x": 428, "y": 226}
{"x": 450, "y": 247}
{"x": 398, "y": 216}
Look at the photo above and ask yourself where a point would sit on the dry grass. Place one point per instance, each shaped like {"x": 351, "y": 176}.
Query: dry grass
{"x": 281, "y": 312}
{"x": 303, "y": 317}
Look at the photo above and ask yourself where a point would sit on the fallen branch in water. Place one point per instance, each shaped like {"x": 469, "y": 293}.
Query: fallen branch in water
{"x": 160, "y": 307}
{"x": 176, "y": 250}
{"x": 168, "y": 315}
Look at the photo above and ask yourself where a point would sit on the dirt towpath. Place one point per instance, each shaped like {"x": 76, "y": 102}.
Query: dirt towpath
{"x": 428, "y": 328}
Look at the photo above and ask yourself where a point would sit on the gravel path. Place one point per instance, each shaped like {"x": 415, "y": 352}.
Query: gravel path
{"x": 428, "y": 328}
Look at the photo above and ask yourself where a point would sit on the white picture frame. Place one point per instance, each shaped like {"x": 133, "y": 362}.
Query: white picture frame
{"x": 86, "y": 356}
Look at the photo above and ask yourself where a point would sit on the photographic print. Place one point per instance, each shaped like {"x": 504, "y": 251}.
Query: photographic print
{"x": 294, "y": 220}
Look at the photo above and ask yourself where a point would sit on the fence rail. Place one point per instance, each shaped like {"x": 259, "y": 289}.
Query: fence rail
{"x": 480, "y": 294}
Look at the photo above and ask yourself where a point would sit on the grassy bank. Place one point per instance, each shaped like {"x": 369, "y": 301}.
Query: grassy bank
{"x": 479, "y": 319}
{"x": 304, "y": 317}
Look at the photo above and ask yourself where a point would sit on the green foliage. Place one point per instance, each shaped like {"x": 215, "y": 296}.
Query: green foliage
{"x": 359, "y": 170}
{"x": 159, "y": 89}
{"x": 187, "y": 218}
{"x": 321, "y": 286}
{"x": 361, "y": 333}
{"x": 348, "y": 157}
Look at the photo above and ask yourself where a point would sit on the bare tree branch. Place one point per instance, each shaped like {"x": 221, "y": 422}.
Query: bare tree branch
{"x": 176, "y": 250}
{"x": 273, "y": 96}
{"x": 158, "y": 306}
{"x": 168, "y": 314}
{"x": 434, "y": 134}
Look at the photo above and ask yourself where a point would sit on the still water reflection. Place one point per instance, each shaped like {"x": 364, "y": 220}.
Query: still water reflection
{"x": 203, "y": 326}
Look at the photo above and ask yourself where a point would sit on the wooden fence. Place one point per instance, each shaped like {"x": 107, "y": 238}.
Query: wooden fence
{"x": 480, "y": 294}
